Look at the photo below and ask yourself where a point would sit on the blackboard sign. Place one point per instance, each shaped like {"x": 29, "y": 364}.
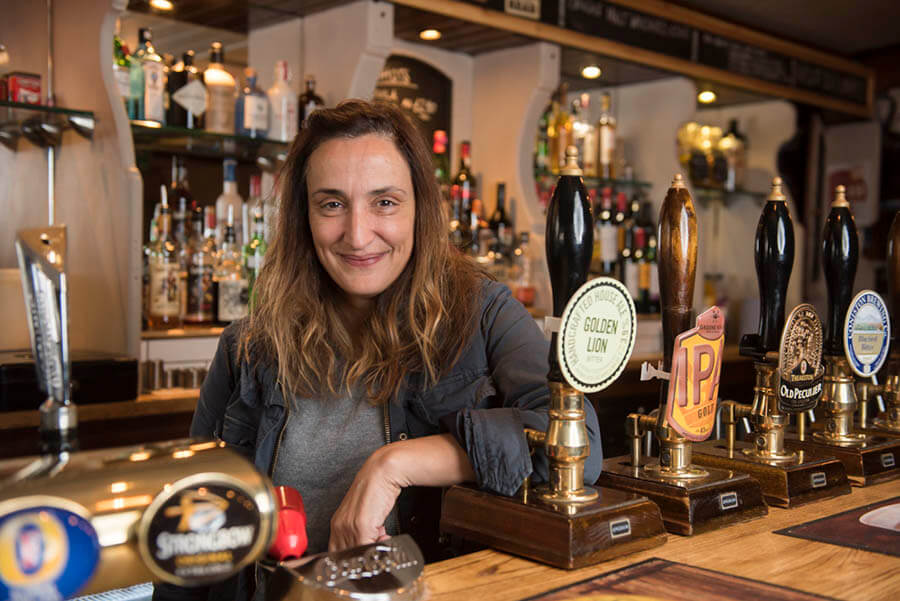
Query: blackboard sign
{"x": 546, "y": 11}
{"x": 421, "y": 91}
{"x": 631, "y": 27}
{"x": 743, "y": 59}
{"x": 823, "y": 80}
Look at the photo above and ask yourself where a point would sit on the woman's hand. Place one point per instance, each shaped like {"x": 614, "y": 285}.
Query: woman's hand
{"x": 428, "y": 461}
{"x": 359, "y": 520}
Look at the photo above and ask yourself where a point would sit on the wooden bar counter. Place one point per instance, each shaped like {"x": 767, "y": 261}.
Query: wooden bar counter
{"x": 750, "y": 550}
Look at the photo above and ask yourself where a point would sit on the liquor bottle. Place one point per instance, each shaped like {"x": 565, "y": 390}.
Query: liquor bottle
{"x": 121, "y": 66}
{"x": 627, "y": 271}
{"x": 606, "y": 140}
{"x": 187, "y": 94}
{"x": 147, "y": 80}
{"x": 462, "y": 193}
{"x": 230, "y": 276}
{"x": 523, "y": 284}
{"x": 639, "y": 258}
{"x": 251, "y": 109}
{"x": 605, "y": 235}
{"x": 442, "y": 168}
{"x": 652, "y": 260}
{"x": 284, "y": 105}
{"x": 229, "y": 198}
{"x": 542, "y": 142}
{"x": 500, "y": 223}
{"x": 309, "y": 100}
{"x": 180, "y": 195}
{"x": 255, "y": 250}
{"x": 619, "y": 218}
{"x": 221, "y": 89}
{"x": 200, "y": 264}
{"x": 559, "y": 132}
{"x": 585, "y": 136}
{"x": 164, "y": 311}
{"x": 209, "y": 227}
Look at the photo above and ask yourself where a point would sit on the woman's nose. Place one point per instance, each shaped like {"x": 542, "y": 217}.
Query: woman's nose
{"x": 358, "y": 233}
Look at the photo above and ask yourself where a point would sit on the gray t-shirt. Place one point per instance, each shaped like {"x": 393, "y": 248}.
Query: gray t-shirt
{"x": 325, "y": 444}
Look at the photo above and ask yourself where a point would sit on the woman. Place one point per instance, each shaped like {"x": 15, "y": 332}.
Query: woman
{"x": 370, "y": 328}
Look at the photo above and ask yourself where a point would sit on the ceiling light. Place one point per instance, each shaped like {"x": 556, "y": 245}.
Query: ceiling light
{"x": 706, "y": 96}
{"x": 430, "y": 34}
{"x": 591, "y": 72}
{"x": 162, "y": 4}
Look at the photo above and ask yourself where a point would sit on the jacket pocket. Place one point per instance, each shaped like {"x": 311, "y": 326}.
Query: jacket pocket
{"x": 459, "y": 391}
{"x": 239, "y": 435}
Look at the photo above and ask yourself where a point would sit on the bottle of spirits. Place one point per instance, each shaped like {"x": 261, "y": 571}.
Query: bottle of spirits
{"x": 251, "y": 109}
{"x": 164, "y": 310}
{"x": 627, "y": 271}
{"x": 187, "y": 94}
{"x": 462, "y": 193}
{"x": 584, "y": 134}
{"x": 653, "y": 273}
{"x": 230, "y": 277}
{"x": 642, "y": 279}
{"x": 309, "y": 100}
{"x": 442, "y": 168}
{"x": 220, "y": 88}
{"x": 229, "y": 198}
{"x": 180, "y": 195}
{"x": 500, "y": 223}
{"x": 559, "y": 132}
{"x": 542, "y": 142}
{"x": 521, "y": 274}
{"x": 605, "y": 230}
{"x": 147, "y": 76}
{"x": 284, "y": 105}
{"x": 620, "y": 218}
{"x": 121, "y": 66}
{"x": 606, "y": 139}
{"x": 201, "y": 263}
{"x": 255, "y": 250}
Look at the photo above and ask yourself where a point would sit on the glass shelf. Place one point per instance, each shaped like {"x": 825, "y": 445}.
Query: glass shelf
{"x": 42, "y": 125}
{"x": 704, "y": 195}
{"x": 152, "y": 137}
{"x": 593, "y": 182}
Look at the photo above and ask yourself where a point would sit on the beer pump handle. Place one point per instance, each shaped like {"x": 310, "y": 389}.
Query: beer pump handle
{"x": 677, "y": 255}
{"x": 840, "y": 255}
{"x": 569, "y": 243}
{"x": 774, "y": 255}
{"x": 893, "y": 275}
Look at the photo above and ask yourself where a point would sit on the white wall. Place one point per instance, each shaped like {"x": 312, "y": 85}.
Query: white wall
{"x": 283, "y": 41}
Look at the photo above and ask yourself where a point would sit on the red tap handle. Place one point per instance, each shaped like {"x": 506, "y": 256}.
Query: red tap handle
{"x": 290, "y": 540}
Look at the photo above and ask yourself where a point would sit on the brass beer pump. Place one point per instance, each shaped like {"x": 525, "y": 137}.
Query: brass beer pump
{"x": 186, "y": 512}
{"x": 563, "y": 523}
{"x": 889, "y": 390}
{"x": 868, "y": 457}
{"x": 692, "y": 499}
{"x": 788, "y": 478}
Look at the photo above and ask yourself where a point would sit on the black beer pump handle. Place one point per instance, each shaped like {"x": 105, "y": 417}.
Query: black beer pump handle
{"x": 840, "y": 255}
{"x": 774, "y": 255}
{"x": 569, "y": 243}
{"x": 893, "y": 277}
{"x": 677, "y": 255}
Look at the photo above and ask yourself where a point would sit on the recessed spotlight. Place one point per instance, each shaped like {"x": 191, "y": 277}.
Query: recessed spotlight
{"x": 430, "y": 34}
{"x": 162, "y": 4}
{"x": 706, "y": 96}
{"x": 591, "y": 72}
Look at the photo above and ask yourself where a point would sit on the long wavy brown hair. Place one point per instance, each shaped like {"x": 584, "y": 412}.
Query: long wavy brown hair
{"x": 420, "y": 324}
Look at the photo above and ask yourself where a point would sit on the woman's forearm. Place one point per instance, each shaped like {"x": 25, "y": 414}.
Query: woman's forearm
{"x": 436, "y": 460}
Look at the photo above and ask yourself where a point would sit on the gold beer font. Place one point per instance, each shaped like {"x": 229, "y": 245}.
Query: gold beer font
{"x": 571, "y": 167}
{"x": 840, "y": 197}
{"x": 678, "y": 181}
{"x": 777, "y": 193}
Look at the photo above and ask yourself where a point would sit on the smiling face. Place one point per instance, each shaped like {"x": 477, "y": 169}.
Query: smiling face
{"x": 361, "y": 214}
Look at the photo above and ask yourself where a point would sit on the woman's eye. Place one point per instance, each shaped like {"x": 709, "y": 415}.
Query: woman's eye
{"x": 385, "y": 202}
{"x": 331, "y": 205}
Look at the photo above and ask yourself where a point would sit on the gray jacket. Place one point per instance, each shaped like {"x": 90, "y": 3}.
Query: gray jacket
{"x": 497, "y": 387}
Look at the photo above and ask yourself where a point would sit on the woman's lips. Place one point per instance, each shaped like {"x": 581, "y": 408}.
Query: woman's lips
{"x": 362, "y": 260}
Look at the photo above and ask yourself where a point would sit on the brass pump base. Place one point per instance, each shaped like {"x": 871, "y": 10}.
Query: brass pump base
{"x": 563, "y": 523}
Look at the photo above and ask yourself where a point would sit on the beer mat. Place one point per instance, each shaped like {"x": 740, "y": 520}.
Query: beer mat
{"x": 658, "y": 579}
{"x": 874, "y": 527}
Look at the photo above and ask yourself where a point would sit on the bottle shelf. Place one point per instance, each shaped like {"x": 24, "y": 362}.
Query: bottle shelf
{"x": 150, "y": 136}
{"x": 185, "y": 332}
{"x": 593, "y": 182}
{"x": 41, "y": 125}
